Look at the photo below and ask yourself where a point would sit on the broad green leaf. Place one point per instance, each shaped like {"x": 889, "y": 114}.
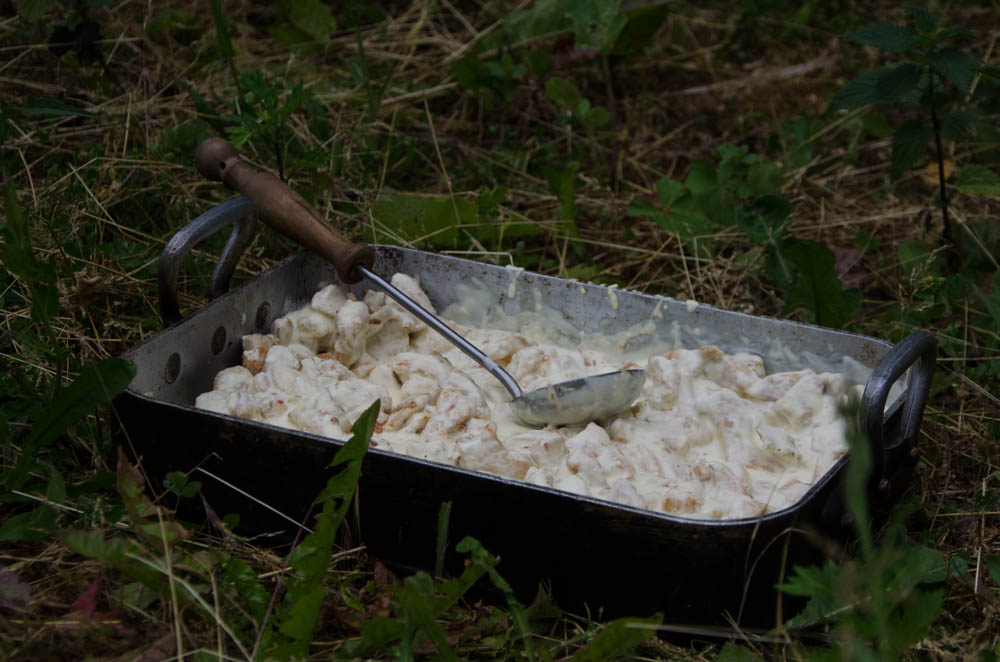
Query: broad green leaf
{"x": 860, "y": 91}
{"x": 993, "y": 567}
{"x": 439, "y": 225}
{"x": 956, "y": 65}
{"x": 922, "y": 19}
{"x": 669, "y": 190}
{"x": 953, "y": 33}
{"x": 909, "y": 146}
{"x": 617, "y": 638}
{"x": 255, "y": 596}
{"x": 894, "y": 84}
{"x": 32, "y": 10}
{"x": 646, "y": 208}
{"x": 916, "y": 617}
{"x": 96, "y": 384}
{"x": 414, "y": 597}
{"x": 596, "y": 24}
{"x": 815, "y": 288}
{"x": 313, "y": 17}
{"x": 702, "y": 178}
{"x": 93, "y": 544}
{"x": 977, "y": 180}
{"x": 563, "y": 92}
{"x": 735, "y": 653}
{"x": 889, "y": 37}
{"x": 597, "y": 117}
{"x": 36, "y": 524}
{"x": 914, "y": 255}
{"x": 960, "y": 124}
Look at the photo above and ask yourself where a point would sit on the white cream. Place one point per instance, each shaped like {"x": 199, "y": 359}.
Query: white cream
{"x": 710, "y": 436}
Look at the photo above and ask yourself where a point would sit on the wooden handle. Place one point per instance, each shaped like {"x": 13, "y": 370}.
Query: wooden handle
{"x": 282, "y": 208}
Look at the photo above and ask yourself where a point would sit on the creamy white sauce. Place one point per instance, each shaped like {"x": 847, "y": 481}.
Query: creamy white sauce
{"x": 691, "y": 305}
{"x": 709, "y": 436}
{"x": 613, "y": 297}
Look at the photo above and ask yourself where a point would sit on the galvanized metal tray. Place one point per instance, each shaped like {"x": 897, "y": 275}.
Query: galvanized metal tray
{"x": 592, "y": 554}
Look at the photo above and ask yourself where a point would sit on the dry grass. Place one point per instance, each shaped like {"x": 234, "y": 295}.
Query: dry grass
{"x": 103, "y": 201}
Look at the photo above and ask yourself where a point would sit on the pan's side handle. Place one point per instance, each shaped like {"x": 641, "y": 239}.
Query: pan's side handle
{"x": 241, "y": 213}
{"x": 918, "y": 350}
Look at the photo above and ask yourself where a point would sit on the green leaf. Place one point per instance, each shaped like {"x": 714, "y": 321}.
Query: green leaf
{"x": 909, "y": 146}
{"x": 955, "y": 33}
{"x": 439, "y": 224}
{"x": 563, "y": 92}
{"x": 977, "y": 180}
{"x": 993, "y": 567}
{"x": 894, "y": 84}
{"x": 917, "y": 615}
{"x": 32, "y": 10}
{"x": 310, "y": 559}
{"x": 35, "y": 524}
{"x": 914, "y": 255}
{"x": 255, "y": 596}
{"x": 96, "y": 384}
{"x": 702, "y": 178}
{"x": 596, "y": 24}
{"x": 956, "y": 65}
{"x": 735, "y": 653}
{"x": 860, "y": 91}
{"x": 815, "y": 288}
{"x": 924, "y": 20}
{"x": 313, "y": 17}
{"x": 645, "y": 208}
{"x": 960, "y": 124}
{"x": 92, "y": 544}
{"x": 597, "y": 117}
{"x": 670, "y": 191}
{"x": 617, "y": 638}
{"x": 415, "y": 599}
{"x": 889, "y": 37}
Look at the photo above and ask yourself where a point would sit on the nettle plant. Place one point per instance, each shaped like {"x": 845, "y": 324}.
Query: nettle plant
{"x": 935, "y": 86}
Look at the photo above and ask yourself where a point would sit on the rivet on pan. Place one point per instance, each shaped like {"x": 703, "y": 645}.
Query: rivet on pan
{"x": 263, "y": 316}
{"x": 219, "y": 340}
{"x": 173, "y": 368}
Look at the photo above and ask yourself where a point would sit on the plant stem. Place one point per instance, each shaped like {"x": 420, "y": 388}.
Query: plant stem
{"x": 936, "y": 124}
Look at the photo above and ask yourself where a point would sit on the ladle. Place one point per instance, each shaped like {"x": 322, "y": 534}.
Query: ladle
{"x": 566, "y": 403}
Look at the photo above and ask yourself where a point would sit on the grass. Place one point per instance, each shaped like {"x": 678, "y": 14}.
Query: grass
{"x": 438, "y": 126}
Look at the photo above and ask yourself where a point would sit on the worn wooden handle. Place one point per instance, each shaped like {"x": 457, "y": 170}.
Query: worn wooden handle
{"x": 282, "y": 208}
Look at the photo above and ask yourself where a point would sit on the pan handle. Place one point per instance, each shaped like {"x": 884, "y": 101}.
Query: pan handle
{"x": 282, "y": 208}
{"x": 919, "y": 351}
{"x": 241, "y": 213}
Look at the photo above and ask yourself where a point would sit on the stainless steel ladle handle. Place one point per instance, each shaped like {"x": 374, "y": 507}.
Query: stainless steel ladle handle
{"x": 435, "y": 323}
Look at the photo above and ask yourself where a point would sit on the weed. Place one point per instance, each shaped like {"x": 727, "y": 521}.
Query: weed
{"x": 937, "y": 77}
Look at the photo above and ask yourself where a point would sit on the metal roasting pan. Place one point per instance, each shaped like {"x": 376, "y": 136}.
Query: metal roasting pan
{"x": 609, "y": 559}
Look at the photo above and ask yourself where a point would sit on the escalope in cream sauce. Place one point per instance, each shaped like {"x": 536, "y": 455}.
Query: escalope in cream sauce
{"x": 712, "y": 436}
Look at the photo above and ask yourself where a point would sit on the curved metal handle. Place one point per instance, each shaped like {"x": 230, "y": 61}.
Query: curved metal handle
{"x": 241, "y": 214}
{"x": 917, "y": 350}
{"x": 282, "y": 208}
